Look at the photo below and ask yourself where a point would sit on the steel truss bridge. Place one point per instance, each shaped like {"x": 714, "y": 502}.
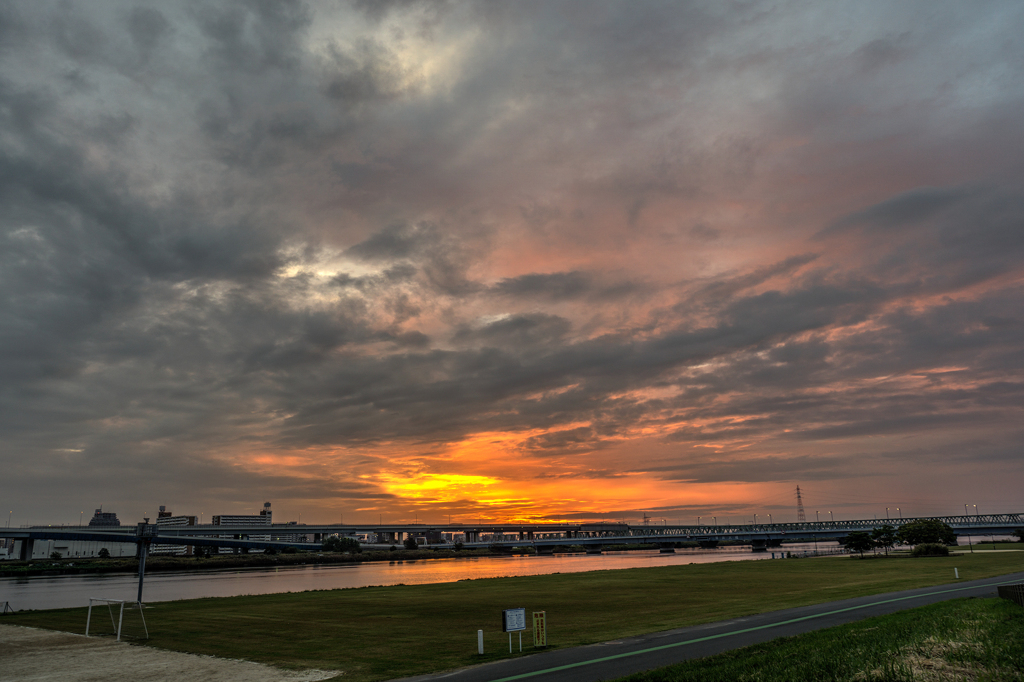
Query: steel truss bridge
{"x": 541, "y": 536}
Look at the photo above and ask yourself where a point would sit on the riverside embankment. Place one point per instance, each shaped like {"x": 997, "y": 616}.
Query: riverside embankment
{"x": 379, "y": 633}
{"x": 413, "y": 568}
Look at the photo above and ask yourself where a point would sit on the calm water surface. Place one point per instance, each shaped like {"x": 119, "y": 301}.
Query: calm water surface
{"x": 51, "y": 592}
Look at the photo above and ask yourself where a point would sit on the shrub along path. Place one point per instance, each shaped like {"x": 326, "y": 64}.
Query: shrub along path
{"x": 388, "y": 632}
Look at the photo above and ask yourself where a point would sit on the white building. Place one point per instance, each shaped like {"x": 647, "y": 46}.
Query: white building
{"x": 71, "y": 549}
{"x": 164, "y": 519}
{"x": 264, "y": 518}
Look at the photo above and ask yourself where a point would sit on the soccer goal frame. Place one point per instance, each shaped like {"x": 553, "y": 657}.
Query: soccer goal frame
{"x": 120, "y": 617}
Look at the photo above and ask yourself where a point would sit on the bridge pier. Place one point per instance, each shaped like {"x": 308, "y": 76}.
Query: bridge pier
{"x": 708, "y": 544}
{"x": 594, "y": 549}
{"x": 27, "y": 545}
{"x": 545, "y": 549}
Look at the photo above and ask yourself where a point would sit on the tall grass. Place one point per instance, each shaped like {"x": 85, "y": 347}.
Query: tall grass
{"x": 964, "y": 639}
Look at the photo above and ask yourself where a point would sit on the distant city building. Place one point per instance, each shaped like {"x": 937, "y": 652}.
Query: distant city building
{"x": 291, "y": 537}
{"x": 69, "y": 549}
{"x": 264, "y": 518}
{"x": 164, "y": 519}
{"x": 102, "y": 518}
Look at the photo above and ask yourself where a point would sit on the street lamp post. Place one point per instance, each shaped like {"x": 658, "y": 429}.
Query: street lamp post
{"x": 900, "y": 513}
{"x": 886, "y": 513}
{"x": 755, "y": 519}
{"x": 698, "y": 520}
{"x": 816, "y": 517}
{"x": 969, "y": 542}
{"x": 832, "y": 517}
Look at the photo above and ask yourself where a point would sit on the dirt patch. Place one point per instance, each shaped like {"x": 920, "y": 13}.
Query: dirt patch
{"x": 29, "y": 654}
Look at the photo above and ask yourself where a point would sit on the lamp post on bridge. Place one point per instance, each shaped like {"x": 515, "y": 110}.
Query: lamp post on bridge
{"x": 832, "y": 517}
{"x": 968, "y": 518}
{"x": 886, "y": 513}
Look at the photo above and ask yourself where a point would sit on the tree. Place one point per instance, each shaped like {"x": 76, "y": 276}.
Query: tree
{"x": 923, "y": 531}
{"x": 930, "y": 549}
{"x": 859, "y": 541}
{"x": 1019, "y": 534}
{"x": 336, "y": 543}
{"x": 884, "y": 537}
{"x": 410, "y": 543}
{"x": 55, "y": 555}
{"x": 104, "y": 553}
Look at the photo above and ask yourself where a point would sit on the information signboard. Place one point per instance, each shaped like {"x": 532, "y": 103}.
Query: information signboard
{"x": 540, "y": 628}
{"x": 513, "y": 620}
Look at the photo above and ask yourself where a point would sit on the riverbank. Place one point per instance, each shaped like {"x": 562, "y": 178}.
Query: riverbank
{"x": 163, "y": 564}
{"x": 158, "y": 564}
{"x": 380, "y": 633}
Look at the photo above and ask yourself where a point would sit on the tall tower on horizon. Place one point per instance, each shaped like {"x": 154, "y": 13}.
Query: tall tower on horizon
{"x": 800, "y": 515}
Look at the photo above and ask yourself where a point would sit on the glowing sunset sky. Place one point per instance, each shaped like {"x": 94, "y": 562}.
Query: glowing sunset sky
{"x": 511, "y": 260}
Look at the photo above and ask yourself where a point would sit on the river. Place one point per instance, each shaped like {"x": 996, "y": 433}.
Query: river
{"x": 53, "y": 592}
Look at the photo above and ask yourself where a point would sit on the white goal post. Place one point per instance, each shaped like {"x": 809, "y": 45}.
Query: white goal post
{"x": 119, "y": 604}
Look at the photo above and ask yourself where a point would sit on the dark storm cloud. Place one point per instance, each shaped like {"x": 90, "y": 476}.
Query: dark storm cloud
{"x": 802, "y": 468}
{"x": 902, "y": 210}
{"x": 563, "y": 286}
{"x": 517, "y": 331}
{"x": 254, "y": 36}
{"x": 555, "y": 285}
{"x": 394, "y": 242}
{"x": 233, "y": 232}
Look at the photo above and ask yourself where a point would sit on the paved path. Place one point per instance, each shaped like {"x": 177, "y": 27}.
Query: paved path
{"x": 31, "y": 655}
{"x": 609, "y": 660}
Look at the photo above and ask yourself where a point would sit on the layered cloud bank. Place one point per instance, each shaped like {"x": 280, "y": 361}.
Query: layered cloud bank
{"x": 511, "y": 260}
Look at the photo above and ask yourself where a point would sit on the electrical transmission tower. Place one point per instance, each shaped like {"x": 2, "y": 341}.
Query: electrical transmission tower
{"x": 800, "y": 516}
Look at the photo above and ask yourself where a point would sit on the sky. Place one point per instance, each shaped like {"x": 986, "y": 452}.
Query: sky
{"x": 531, "y": 261}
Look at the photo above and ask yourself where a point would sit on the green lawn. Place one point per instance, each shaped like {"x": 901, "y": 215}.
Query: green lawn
{"x": 986, "y": 546}
{"x": 386, "y": 632}
{"x": 962, "y": 639}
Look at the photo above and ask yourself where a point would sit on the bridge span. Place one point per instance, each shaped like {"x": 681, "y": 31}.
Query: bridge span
{"x": 542, "y": 536}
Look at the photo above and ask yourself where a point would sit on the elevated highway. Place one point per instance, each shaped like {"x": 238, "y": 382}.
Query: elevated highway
{"x": 539, "y": 535}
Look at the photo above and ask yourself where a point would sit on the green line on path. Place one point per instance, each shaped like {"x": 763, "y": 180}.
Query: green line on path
{"x": 738, "y": 632}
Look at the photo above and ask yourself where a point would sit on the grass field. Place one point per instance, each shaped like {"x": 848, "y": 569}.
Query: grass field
{"x": 386, "y": 632}
{"x": 985, "y": 546}
{"x": 963, "y": 639}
